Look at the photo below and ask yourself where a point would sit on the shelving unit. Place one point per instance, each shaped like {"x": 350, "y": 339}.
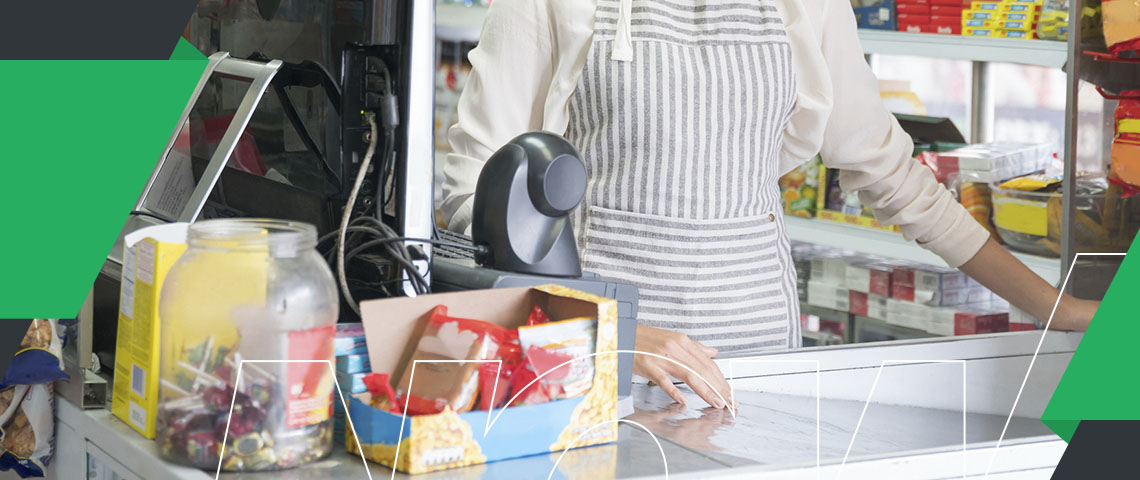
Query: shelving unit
{"x": 1043, "y": 53}
{"x": 873, "y": 241}
{"x": 457, "y": 23}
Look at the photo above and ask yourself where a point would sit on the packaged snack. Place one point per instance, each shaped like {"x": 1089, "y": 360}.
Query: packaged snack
{"x": 1126, "y": 141}
{"x": 28, "y": 430}
{"x": 446, "y": 362}
{"x": 976, "y": 198}
{"x": 38, "y": 359}
{"x": 1120, "y": 26}
{"x": 1032, "y": 183}
{"x": 494, "y": 385}
{"x": 799, "y": 189}
{"x": 383, "y": 395}
{"x": 559, "y": 353}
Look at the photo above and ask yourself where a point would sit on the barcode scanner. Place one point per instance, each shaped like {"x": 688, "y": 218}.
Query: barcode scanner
{"x": 523, "y": 201}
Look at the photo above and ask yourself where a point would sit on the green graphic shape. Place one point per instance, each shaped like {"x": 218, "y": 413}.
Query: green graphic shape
{"x": 80, "y": 140}
{"x": 1099, "y": 383}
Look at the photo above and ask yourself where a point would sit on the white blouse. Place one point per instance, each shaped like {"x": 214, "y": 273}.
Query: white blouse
{"x": 531, "y": 53}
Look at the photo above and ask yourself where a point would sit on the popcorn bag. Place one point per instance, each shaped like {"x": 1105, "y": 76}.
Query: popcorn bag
{"x": 554, "y": 397}
{"x": 28, "y": 429}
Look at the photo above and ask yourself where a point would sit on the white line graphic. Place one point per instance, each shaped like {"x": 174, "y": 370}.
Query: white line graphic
{"x": 332, "y": 371}
{"x": 664, "y": 461}
{"x": 1064, "y": 284}
{"x": 732, "y": 391}
{"x": 491, "y": 421}
{"x": 874, "y": 384}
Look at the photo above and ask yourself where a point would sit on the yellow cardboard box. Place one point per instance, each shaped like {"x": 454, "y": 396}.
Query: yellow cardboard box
{"x": 148, "y": 255}
{"x": 448, "y": 440}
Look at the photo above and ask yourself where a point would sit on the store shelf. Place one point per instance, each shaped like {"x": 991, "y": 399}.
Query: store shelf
{"x": 1045, "y": 53}
{"x": 891, "y": 244}
{"x": 458, "y": 23}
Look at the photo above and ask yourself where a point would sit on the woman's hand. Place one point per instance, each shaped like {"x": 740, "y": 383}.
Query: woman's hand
{"x": 706, "y": 382}
{"x": 1074, "y": 314}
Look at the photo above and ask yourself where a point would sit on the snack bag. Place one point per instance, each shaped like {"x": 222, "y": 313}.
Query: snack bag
{"x": 39, "y": 358}
{"x": 799, "y": 189}
{"x": 525, "y": 389}
{"x": 1121, "y": 27}
{"x": 536, "y": 317}
{"x": 439, "y": 380}
{"x": 383, "y": 395}
{"x": 28, "y": 429}
{"x": 551, "y": 349}
{"x": 1126, "y": 141}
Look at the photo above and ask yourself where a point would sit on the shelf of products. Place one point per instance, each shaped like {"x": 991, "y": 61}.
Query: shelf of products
{"x": 1045, "y": 53}
{"x": 874, "y": 241}
{"x": 458, "y": 23}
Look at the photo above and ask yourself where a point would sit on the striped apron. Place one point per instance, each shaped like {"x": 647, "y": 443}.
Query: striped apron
{"x": 681, "y": 147}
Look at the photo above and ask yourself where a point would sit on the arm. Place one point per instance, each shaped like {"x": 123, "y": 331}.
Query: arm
{"x": 1001, "y": 272}
{"x": 865, "y": 141}
{"x": 511, "y": 71}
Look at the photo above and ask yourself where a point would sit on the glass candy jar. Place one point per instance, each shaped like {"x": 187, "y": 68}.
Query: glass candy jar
{"x": 248, "y": 318}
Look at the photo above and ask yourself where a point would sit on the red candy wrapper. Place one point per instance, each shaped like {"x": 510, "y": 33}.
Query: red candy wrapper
{"x": 536, "y": 317}
{"x": 494, "y": 385}
{"x": 380, "y": 386}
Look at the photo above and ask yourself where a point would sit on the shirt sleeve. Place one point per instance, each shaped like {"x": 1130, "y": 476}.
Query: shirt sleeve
{"x": 504, "y": 97}
{"x": 874, "y": 155}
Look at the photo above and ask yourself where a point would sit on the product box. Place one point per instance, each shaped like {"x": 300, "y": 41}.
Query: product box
{"x": 829, "y": 268}
{"x": 875, "y": 14}
{"x": 148, "y": 255}
{"x": 350, "y": 339}
{"x": 1017, "y": 16}
{"x": 908, "y": 314}
{"x": 972, "y": 14}
{"x": 1019, "y": 7}
{"x": 997, "y": 33}
{"x": 995, "y": 161}
{"x": 951, "y": 3}
{"x": 947, "y": 10}
{"x": 913, "y": 19}
{"x": 980, "y": 319}
{"x": 912, "y": 9}
{"x": 445, "y": 440}
{"x": 357, "y": 363}
{"x": 999, "y": 24}
{"x": 946, "y": 20}
{"x": 826, "y": 295}
{"x": 870, "y": 277}
{"x": 800, "y": 189}
{"x": 351, "y": 382}
{"x": 984, "y": 6}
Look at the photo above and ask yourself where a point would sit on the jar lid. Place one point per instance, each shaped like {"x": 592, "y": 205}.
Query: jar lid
{"x": 282, "y": 238}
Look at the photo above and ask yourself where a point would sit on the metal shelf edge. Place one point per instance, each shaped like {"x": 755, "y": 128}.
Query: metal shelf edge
{"x": 1045, "y": 53}
{"x": 892, "y": 244}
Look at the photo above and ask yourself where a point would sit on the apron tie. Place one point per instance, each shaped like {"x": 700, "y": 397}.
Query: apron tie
{"x": 623, "y": 43}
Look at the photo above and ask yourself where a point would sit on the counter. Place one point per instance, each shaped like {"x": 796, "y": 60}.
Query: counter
{"x": 777, "y": 432}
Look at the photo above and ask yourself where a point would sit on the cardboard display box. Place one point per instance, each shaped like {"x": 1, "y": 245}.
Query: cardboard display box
{"x": 447, "y": 440}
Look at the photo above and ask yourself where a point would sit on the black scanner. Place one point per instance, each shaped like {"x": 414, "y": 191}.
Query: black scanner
{"x": 523, "y": 201}
{"x": 521, "y": 221}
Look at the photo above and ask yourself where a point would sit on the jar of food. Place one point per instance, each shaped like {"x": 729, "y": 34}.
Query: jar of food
{"x": 248, "y": 317}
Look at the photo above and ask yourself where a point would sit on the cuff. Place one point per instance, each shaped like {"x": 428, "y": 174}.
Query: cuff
{"x": 959, "y": 243}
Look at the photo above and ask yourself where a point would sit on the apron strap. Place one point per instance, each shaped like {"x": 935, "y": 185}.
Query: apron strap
{"x": 623, "y": 43}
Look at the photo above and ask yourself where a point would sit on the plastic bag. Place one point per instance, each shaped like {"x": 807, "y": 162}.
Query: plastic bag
{"x": 550, "y": 349}
{"x": 39, "y": 358}
{"x": 28, "y": 431}
{"x": 440, "y": 380}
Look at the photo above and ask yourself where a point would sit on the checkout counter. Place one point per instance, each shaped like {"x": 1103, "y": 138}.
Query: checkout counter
{"x": 888, "y": 410}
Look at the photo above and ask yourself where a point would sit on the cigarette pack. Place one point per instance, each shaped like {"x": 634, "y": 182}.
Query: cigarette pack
{"x": 351, "y": 382}
{"x": 870, "y": 277}
{"x": 829, "y": 268}
{"x": 857, "y": 303}
{"x": 827, "y": 295}
{"x": 350, "y": 339}
{"x": 912, "y": 9}
{"x": 356, "y": 363}
{"x": 908, "y": 314}
{"x": 971, "y": 320}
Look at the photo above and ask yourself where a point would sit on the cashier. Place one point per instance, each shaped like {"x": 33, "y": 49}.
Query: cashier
{"x": 686, "y": 112}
